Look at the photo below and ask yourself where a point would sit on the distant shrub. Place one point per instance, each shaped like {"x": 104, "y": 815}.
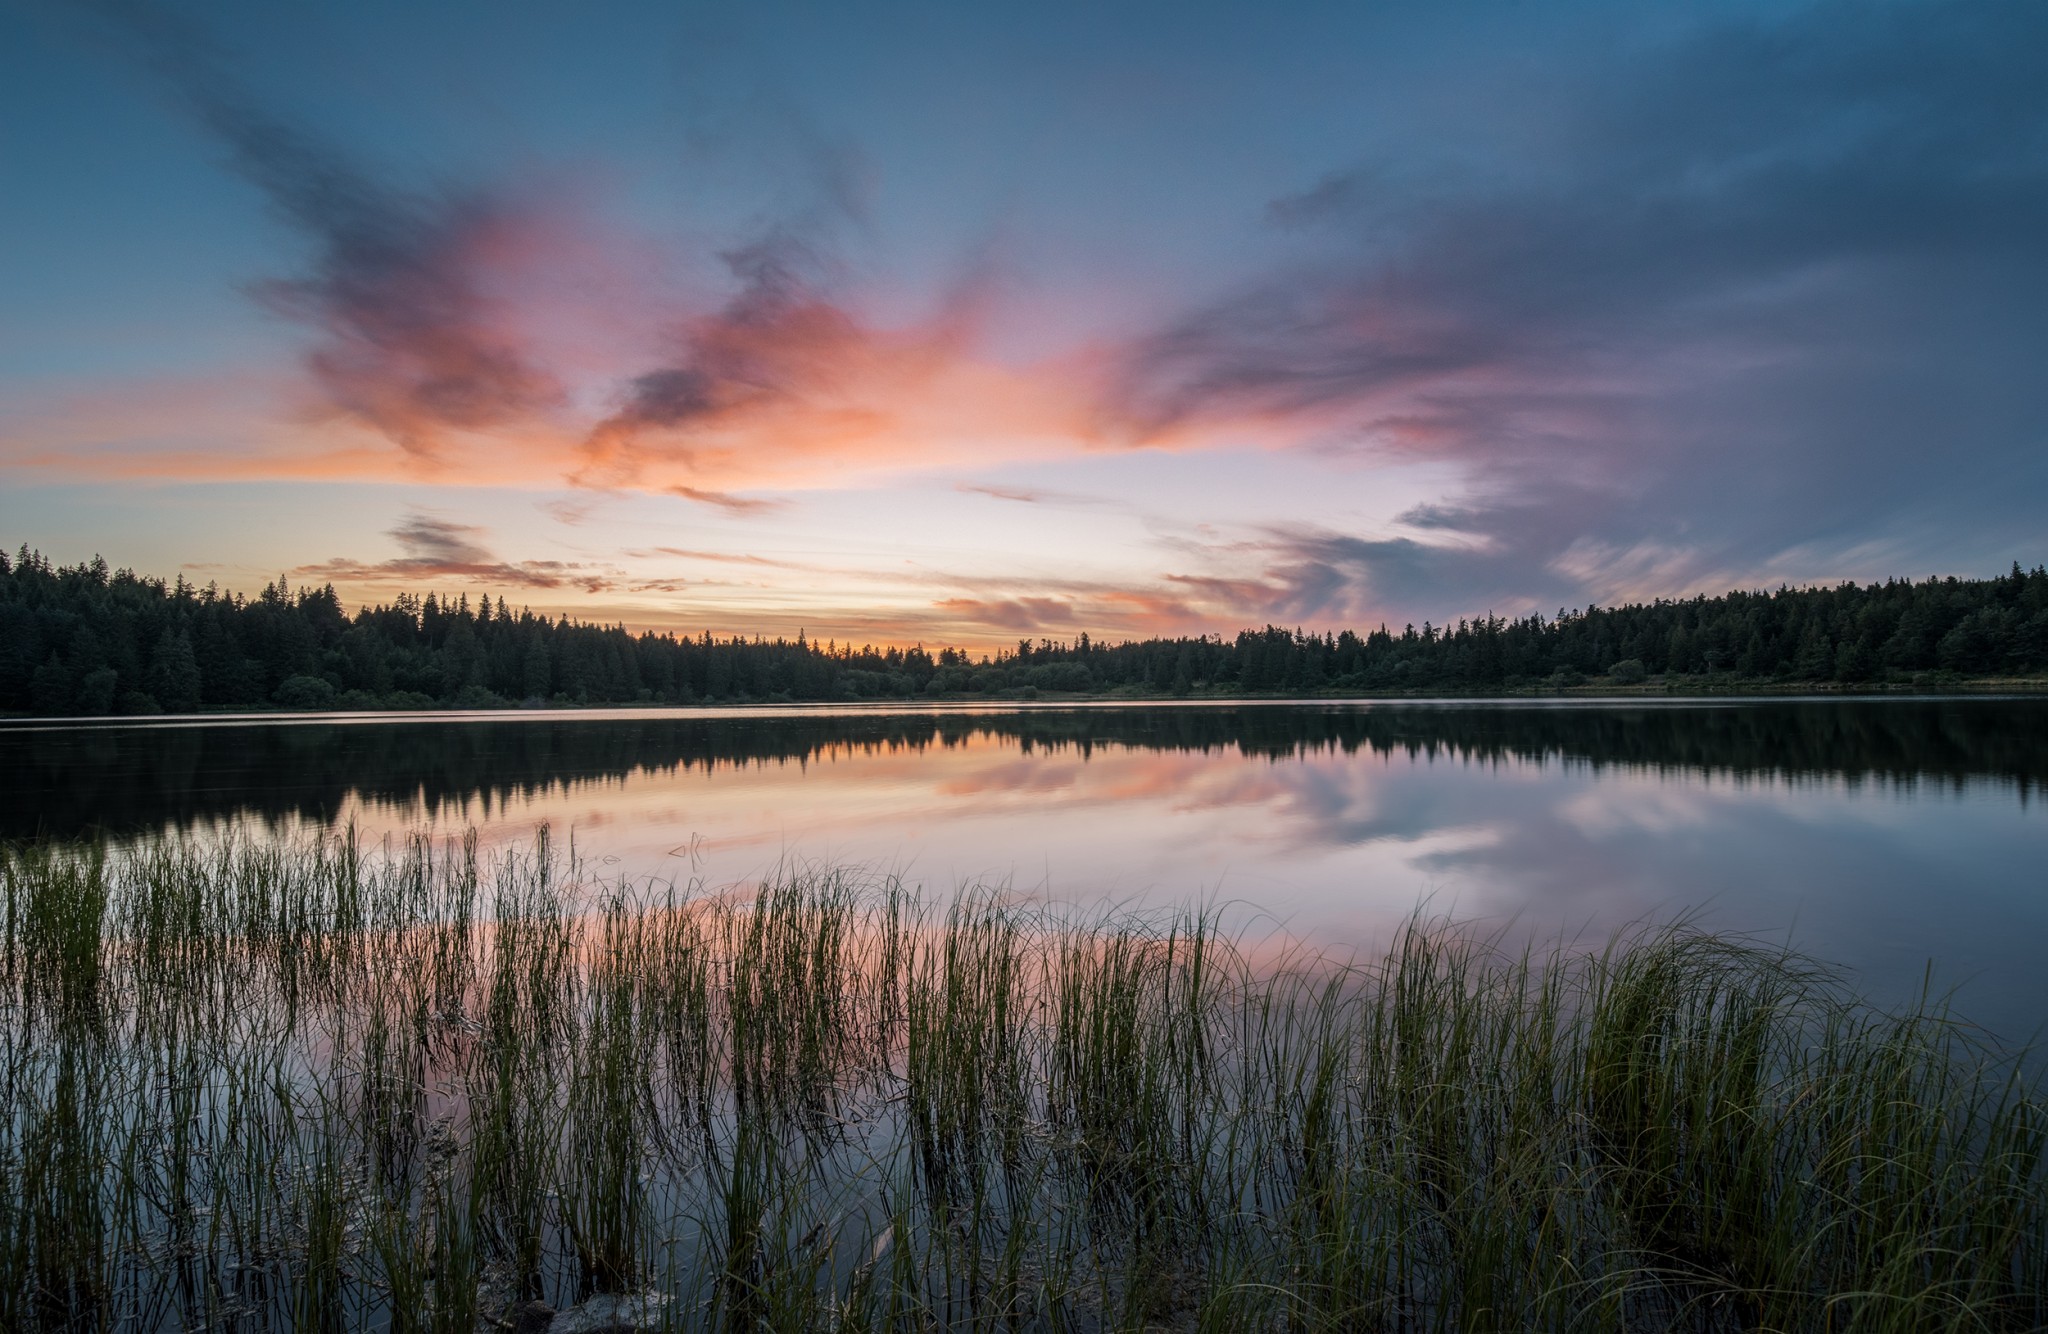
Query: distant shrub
{"x": 96, "y": 692}
{"x": 1063, "y": 676}
{"x": 478, "y": 697}
{"x": 1628, "y": 672}
{"x": 304, "y": 692}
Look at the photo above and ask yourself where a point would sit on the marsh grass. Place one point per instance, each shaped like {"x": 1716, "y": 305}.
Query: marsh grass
{"x": 297, "y": 1085}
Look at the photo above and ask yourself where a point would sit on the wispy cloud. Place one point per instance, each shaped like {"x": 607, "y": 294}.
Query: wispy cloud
{"x": 775, "y": 343}
{"x": 438, "y": 548}
{"x": 1026, "y": 615}
{"x": 1026, "y": 495}
{"x": 726, "y": 501}
{"x": 450, "y": 317}
{"x": 790, "y": 382}
{"x": 411, "y": 342}
{"x": 1708, "y": 324}
{"x": 723, "y": 558}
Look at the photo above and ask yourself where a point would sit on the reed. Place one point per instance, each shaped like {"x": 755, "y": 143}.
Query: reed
{"x": 306, "y": 1085}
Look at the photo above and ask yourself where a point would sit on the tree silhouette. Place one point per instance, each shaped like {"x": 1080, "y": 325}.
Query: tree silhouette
{"x": 89, "y": 639}
{"x": 174, "y": 676}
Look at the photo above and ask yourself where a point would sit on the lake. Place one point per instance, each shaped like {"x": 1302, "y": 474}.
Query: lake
{"x": 1885, "y": 836}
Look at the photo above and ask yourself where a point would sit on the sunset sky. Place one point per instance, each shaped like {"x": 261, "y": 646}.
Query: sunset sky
{"x": 963, "y": 323}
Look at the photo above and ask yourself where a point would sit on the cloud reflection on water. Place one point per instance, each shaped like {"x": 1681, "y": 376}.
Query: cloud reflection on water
{"x": 1877, "y": 835}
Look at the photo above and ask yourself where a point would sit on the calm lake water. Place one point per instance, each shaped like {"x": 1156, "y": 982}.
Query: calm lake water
{"x": 1884, "y": 836}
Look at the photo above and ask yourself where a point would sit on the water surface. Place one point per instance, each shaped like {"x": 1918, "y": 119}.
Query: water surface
{"x": 1886, "y": 836}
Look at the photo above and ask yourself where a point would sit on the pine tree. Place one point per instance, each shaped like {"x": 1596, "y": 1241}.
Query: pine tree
{"x": 174, "y": 678}
{"x": 51, "y": 689}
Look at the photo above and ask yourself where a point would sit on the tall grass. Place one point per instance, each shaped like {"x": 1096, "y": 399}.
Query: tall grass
{"x": 295, "y": 1085}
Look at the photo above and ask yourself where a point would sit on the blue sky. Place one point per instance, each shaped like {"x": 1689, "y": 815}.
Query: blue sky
{"x": 957, "y": 323}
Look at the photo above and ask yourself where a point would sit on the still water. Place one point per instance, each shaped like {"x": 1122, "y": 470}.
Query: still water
{"x": 1889, "y": 837}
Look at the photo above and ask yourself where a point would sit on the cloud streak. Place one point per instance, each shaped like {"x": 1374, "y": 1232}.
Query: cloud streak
{"x": 1025, "y": 615}
{"x": 724, "y": 558}
{"x": 789, "y": 383}
{"x": 436, "y": 548}
{"x": 1025, "y": 495}
{"x": 412, "y": 342}
{"x": 726, "y": 501}
{"x": 1772, "y": 297}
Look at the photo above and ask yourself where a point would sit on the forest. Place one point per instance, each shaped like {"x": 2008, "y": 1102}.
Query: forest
{"x": 87, "y": 640}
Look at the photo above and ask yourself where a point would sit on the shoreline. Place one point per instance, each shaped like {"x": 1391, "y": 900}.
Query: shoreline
{"x": 1651, "y": 691}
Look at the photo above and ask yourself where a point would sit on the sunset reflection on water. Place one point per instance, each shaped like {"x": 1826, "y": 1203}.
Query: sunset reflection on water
{"x": 1808, "y": 822}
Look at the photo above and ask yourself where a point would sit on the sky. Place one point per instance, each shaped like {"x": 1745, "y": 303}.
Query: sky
{"x": 960, "y": 324}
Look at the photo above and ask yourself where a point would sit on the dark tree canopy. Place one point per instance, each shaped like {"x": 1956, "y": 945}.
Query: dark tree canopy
{"x": 85, "y": 639}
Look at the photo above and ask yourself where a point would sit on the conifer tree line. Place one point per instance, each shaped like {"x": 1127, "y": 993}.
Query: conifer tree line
{"x": 86, "y": 640}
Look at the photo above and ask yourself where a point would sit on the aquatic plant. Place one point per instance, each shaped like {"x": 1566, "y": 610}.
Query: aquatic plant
{"x": 301, "y": 1085}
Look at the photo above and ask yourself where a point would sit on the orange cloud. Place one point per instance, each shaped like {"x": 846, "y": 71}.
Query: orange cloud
{"x": 777, "y": 391}
{"x": 788, "y": 385}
